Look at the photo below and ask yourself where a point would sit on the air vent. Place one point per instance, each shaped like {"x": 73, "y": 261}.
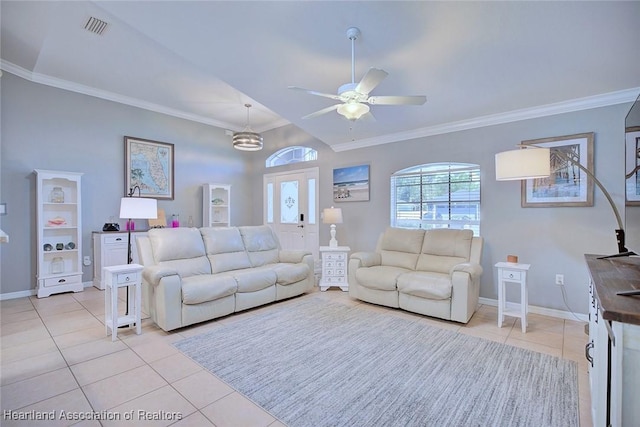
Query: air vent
{"x": 96, "y": 25}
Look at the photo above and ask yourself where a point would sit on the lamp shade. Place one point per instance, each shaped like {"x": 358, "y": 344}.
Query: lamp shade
{"x": 353, "y": 110}
{"x": 526, "y": 163}
{"x": 247, "y": 140}
{"x": 332, "y": 215}
{"x": 138, "y": 208}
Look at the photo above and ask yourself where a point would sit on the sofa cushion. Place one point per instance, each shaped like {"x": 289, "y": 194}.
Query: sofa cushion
{"x": 400, "y": 247}
{"x": 380, "y": 277}
{"x": 225, "y": 248}
{"x": 207, "y": 287}
{"x": 287, "y": 274}
{"x": 261, "y": 244}
{"x": 254, "y": 279}
{"x": 176, "y": 243}
{"x": 444, "y": 248}
{"x": 425, "y": 285}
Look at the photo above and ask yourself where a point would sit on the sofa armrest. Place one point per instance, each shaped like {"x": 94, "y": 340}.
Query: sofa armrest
{"x": 475, "y": 270}
{"x": 367, "y": 259}
{"x": 154, "y": 273}
{"x": 294, "y": 257}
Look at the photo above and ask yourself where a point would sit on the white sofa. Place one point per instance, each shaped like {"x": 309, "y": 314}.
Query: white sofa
{"x": 435, "y": 273}
{"x": 191, "y": 275}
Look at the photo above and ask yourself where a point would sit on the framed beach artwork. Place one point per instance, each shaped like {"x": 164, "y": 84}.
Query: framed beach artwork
{"x": 632, "y": 161}
{"x": 148, "y": 165}
{"x": 351, "y": 184}
{"x": 567, "y": 186}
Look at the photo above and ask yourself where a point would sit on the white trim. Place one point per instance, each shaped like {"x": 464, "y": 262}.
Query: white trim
{"x": 31, "y": 292}
{"x": 121, "y": 99}
{"x": 596, "y": 101}
{"x": 586, "y": 103}
{"x": 551, "y": 312}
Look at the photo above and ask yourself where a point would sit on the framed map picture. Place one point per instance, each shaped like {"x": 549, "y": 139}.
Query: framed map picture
{"x": 148, "y": 165}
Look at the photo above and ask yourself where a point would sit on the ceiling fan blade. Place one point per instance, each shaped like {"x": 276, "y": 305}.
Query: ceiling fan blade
{"x": 370, "y": 80}
{"x": 397, "y": 100}
{"x": 321, "y": 112}
{"x": 313, "y": 92}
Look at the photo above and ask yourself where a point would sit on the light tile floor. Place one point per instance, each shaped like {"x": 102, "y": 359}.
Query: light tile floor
{"x": 55, "y": 356}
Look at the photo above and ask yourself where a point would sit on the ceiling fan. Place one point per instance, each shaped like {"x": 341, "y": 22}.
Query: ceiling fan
{"x": 355, "y": 96}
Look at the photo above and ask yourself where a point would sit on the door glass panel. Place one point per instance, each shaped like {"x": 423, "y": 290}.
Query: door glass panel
{"x": 270, "y": 203}
{"x": 311, "y": 188}
{"x": 289, "y": 209}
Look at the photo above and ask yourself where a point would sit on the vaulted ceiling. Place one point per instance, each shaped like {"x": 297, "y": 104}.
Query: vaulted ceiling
{"x": 477, "y": 62}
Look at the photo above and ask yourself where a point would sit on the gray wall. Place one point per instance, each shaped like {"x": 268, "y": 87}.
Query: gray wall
{"x": 47, "y": 128}
{"x": 553, "y": 240}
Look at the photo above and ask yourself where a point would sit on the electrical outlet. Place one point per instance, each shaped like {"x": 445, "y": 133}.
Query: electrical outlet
{"x": 560, "y": 279}
{"x": 86, "y": 260}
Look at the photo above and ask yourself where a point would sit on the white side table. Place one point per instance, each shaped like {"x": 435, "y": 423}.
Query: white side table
{"x": 509, "y": 272}
{"x": 334, "y": 267}
{"x": 116, "y": 277}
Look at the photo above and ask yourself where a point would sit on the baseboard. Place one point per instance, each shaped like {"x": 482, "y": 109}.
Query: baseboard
{"x": 31, "y": 292}
{"x": 543, "y": 311}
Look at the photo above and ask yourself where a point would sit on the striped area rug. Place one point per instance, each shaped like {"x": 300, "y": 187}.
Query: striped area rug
{"x": 314, "y": 363}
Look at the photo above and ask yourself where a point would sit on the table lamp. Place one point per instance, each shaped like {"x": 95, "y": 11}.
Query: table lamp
{"x": 332, "y": 216}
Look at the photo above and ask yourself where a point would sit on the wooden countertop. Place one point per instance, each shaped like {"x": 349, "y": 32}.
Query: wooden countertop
{"x": 613, "y": 275}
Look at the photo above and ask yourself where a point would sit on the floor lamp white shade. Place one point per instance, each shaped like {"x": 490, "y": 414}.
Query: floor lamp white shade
{"x": 332, "y": 216}
{"x": 525, "y": 163}
{"x": 138, "y": 208}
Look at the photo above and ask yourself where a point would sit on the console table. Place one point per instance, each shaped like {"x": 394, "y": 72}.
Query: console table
{"x": 613, "y": 350}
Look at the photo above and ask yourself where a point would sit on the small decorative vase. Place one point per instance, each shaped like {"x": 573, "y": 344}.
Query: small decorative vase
{"x": 57, "y": 195}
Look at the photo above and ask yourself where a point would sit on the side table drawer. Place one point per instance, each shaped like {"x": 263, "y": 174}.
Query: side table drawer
{"x": 126, "y": 278}
{"x": 337, "y": 257}
{"x": 512, "y": 275}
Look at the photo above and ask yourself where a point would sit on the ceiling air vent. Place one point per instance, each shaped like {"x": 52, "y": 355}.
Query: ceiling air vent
{"x": 96, "y": 25}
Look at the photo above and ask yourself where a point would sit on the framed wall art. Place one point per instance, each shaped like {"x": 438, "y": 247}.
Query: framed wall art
{"x": 567, "y": 186}
{"x": 351, "y": 184}
{"x": 632, "y": 166}
{"x": 149, "y": 165}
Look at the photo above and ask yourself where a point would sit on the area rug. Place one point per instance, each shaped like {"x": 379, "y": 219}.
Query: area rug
{"x": 312, "y": 363}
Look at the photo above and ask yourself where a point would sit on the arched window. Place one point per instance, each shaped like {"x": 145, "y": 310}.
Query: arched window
{"x": 437, "y": 195}
{"x": 295, "y": 154}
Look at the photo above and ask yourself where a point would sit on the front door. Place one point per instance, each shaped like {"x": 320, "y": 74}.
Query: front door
{"x": 291, "y": 208}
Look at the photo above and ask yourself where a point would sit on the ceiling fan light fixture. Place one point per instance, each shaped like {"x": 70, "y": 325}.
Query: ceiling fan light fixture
{"x": 353, "y": 110}
{"x": 247, "y": 140}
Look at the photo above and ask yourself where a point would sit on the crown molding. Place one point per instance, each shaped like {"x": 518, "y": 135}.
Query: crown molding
{"x": 596, "y": 101}
{"x": 121, "y": 99}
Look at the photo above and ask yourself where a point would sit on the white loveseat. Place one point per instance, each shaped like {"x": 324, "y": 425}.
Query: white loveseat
{"x": 435, "y": 272}
{"x": 191, "y": 275}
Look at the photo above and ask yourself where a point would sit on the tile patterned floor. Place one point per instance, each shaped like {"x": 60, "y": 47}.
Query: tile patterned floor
{"x": 56, "y": 356}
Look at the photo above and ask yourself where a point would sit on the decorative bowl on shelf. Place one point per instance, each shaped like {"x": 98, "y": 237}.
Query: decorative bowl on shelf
{"x": 56, "y": 222}
{"x": 217, "y": 201}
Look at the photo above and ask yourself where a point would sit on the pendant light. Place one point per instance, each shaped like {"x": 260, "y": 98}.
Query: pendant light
{"x": 247, "y": 140}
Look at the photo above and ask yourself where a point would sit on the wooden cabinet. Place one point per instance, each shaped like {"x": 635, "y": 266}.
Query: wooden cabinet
{"x": 110, "y": 248}
{"x": 613, "y": 350}
{"x": 59, "y": 232}
{"x": 216, "y": 208}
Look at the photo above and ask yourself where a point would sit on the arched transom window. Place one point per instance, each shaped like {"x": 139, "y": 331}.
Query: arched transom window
{"x": 288, "y": 155}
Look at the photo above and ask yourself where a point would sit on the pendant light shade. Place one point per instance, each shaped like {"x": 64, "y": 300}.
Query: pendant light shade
{"x": 247, "y": 140}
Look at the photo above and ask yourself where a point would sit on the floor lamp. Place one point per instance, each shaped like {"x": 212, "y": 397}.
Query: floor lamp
{"x": 531, "y": 162}
{"x": 136, "y": 208}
